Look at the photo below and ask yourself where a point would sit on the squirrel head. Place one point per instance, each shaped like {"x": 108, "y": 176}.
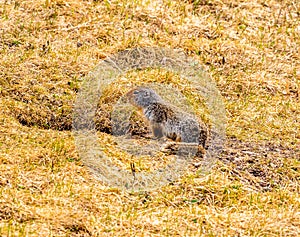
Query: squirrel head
{"x": 143, "y": 97}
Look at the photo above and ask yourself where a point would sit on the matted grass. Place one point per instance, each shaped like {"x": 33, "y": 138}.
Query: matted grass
{"x": 251, "y": 50}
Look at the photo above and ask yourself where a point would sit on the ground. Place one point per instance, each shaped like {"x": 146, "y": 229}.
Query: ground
{"x": 249, "y": 48}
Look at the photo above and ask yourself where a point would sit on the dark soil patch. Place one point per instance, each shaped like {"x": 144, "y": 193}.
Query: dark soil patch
{"x": 263, "y": 165}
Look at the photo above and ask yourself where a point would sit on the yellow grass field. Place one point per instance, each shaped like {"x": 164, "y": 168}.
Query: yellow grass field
{"x": 251, "y": 49}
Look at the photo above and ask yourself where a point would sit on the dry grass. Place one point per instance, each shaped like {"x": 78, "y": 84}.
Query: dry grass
{"x": 251, "y": 49}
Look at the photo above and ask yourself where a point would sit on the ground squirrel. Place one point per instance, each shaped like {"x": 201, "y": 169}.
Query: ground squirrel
{"x": 166, "y": 119}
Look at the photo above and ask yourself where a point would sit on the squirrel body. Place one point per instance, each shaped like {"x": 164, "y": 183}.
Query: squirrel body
{"x": 167, "y": 120}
